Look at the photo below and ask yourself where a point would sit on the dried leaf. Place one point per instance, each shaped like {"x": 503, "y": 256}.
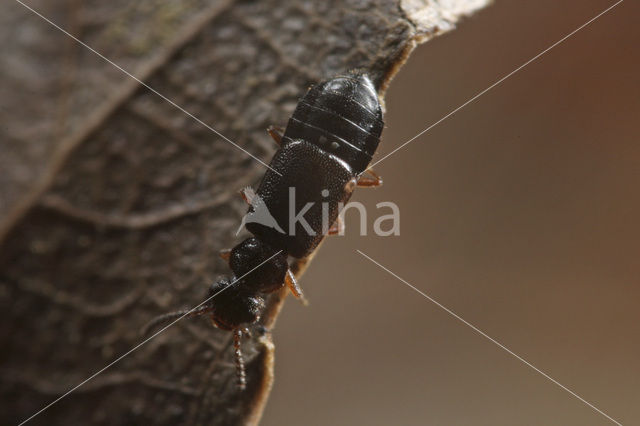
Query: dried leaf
{"x": 114, "y": 203}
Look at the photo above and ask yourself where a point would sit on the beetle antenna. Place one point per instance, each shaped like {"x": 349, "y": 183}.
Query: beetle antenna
{"x": 148, "y": 327}
{"x": 240, "y": 371}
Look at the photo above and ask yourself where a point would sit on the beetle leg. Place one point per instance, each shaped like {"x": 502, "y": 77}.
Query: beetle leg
{"x": 337, "y": 228}
{"x": 276, "y": 133}
{"x": 247, "y": 194}
{"x": 371, "y": 181}
{"x": 225, "y": 254}
{"x": 292, "y": 283}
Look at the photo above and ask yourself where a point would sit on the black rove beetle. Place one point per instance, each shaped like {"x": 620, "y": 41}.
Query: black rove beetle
{"x": 324, "y": 153}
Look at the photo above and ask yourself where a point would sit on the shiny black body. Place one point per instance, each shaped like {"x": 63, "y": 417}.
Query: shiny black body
{"x": 328, "y": 143}
{"x": 342, "y": 117}
{"x": 309, "y": 170}
{"x": 330, "y": 139}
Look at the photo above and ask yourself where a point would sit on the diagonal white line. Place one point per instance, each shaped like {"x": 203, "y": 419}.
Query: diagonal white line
{"x": 482, "y": 333}
{"x": 144, "y": 341}
{"x": 497, "y": 83}
{"x": 53, "y": 24}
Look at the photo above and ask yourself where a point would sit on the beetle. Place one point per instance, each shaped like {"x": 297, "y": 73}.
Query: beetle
{"x": 323, "y": 156}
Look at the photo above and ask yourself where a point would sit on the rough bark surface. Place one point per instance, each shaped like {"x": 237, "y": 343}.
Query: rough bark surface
{"x": 113, "y": 203}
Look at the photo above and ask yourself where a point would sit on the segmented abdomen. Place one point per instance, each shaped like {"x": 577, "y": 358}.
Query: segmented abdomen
{"x": 342, "y": 116}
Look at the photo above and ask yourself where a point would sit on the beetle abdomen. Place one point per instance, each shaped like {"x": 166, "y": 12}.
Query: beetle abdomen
{"x": 341, "y": 116}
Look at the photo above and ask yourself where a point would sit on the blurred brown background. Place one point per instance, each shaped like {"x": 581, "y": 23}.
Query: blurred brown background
{"x": 519, "y": 213}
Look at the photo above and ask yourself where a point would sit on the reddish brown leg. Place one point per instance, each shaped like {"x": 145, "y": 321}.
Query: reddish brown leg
{"x": 276, "y": 133}
{"x": 371, "y": 181}
{"x": 337, "y": 227}
{"x": 225, "y": 254}
{"x": 292, "y": 283}
{"x": 247, "y": 194}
